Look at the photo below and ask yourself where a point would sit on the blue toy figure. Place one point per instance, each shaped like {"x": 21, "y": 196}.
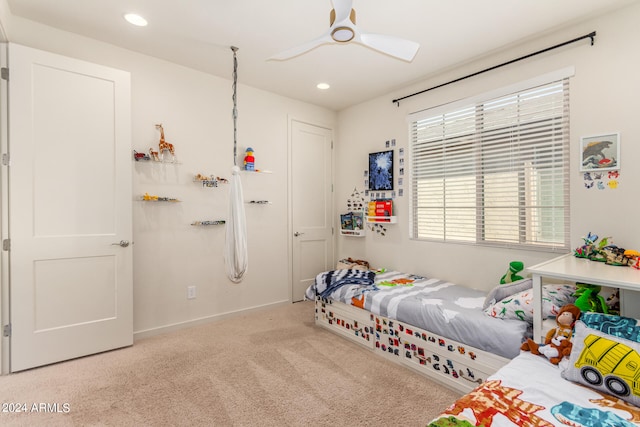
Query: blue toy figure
{"x": 249, "y": 160}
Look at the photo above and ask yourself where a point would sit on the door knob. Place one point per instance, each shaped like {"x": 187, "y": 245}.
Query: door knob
{"x": 297, "y": 233}
{"x": 123, "y": 243}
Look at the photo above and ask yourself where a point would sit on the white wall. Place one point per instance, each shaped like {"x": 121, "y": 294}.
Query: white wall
{"x": 603, "y": 99}
{"x": 195, "y": 109}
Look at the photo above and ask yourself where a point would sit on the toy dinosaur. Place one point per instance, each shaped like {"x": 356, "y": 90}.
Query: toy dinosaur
{"x": 589, "y": 300}
{"x": 512, "y": 273}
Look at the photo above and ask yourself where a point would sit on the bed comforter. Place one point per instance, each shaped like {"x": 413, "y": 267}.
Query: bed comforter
{"x": 446, "y": 309}
{"x": 529, "y": 391}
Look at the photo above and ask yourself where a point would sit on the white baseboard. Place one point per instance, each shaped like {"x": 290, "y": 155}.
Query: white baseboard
{"x": 137, "y": 335}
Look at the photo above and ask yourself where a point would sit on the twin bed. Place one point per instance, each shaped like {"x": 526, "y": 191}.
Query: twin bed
{"x": 432, "y": 326}
{"x": 437, "y": 306}
{"x": 596, "y": 386}
{"x": 530, "y": 391}
{"x": 470, "y": 341}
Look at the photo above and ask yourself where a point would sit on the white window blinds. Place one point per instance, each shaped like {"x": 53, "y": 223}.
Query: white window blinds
{"x": 494, "y": 172}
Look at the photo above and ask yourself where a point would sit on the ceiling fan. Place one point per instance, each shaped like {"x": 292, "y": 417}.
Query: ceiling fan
{"x": 343, "y": 29}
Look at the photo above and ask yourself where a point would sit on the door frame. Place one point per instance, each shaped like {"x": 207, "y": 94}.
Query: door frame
{"x": 4, "y": 218}
{"x": 290, "y": 231}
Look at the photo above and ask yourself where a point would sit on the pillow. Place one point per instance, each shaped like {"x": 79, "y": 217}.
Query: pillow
{"x": 618, "y": 326}
{"x": 520, "y": 306}
{"x": 604, "y": 362}
{"x": 500, "y": 292}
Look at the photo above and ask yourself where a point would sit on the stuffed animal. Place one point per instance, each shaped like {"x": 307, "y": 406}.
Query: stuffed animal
{"x": 512, "y": 273}
{"x": 587, "y": 298}
{"x": 557, "y": 343}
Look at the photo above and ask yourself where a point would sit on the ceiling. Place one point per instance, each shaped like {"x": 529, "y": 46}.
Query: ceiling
{"x": 198, "y": 34}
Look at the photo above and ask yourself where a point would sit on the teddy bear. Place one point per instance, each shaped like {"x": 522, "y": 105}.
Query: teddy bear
{"x": 557, "y": 343}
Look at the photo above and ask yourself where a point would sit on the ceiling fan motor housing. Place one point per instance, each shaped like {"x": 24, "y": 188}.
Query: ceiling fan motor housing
{"x": 342, "y": 34}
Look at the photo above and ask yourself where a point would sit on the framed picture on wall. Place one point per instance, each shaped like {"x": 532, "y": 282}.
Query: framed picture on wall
{"x": 600, "y": 152}
{"x": 381, "y": 171}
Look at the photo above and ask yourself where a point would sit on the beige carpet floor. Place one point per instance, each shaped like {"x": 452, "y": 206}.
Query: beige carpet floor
{"x": 267, "y": 368}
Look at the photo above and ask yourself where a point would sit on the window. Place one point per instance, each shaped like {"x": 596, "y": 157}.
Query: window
{"x": 494, "y": 171}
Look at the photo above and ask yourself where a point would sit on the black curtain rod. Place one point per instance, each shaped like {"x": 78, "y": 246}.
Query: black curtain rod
{"x": 591, "y": 36}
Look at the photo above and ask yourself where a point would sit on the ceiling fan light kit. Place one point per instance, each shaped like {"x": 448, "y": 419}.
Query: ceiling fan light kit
{"x": 343, "y": 34}
{"x": 343, "y": 30}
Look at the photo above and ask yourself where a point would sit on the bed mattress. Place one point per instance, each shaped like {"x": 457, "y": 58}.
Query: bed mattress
{"x": 441, "y": 307}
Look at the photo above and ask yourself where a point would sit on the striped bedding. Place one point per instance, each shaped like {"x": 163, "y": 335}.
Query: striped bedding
{"x": 441, "y": 307}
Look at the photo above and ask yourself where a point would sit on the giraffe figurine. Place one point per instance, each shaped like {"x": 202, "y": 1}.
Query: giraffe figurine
{"x": 153, "y": 154}
{"x": 164, "y": 145}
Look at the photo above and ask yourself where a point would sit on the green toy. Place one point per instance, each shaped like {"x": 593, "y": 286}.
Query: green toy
{"x": 589, "y": 300}
{"x": 512, "y": 273}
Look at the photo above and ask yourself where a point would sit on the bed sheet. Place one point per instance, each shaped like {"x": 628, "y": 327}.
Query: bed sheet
{"x": 446, "y": 309}
{"x": 529, "y": 391}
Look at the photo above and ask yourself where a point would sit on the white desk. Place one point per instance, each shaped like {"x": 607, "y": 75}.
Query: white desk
{"x": 568, "y": 267}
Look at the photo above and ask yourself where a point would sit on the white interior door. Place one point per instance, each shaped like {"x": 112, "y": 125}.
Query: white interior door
{"x": 69, "y": 207}
{"x": 312, "y": 204}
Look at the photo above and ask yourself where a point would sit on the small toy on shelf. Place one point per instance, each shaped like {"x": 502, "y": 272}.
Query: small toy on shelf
{"x": 592, "y": 251}
{"x": 614, "y": 255}
{"x": 153, "y": 154}
{"x": 249, "y": 160}
{"x": 634, "y": 258}
{"x": 512, "y": 273}
{"x": 557, "y": 342}
{"x": 140, "y": 156}
{"x": 152, "y": 198}
{"x": 588, "y": 248}
{"x": 208, "y": 222}
{"x": 164, "y": 145}
{"x": 207, "y": 181}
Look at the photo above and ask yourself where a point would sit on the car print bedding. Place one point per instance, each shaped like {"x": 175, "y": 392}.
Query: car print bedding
{"x": 450, "y": 310}
{"x": 530, "y": 391}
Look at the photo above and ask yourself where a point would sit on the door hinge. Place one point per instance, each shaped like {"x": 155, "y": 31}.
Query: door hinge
{"x": 4, "y": 73}
{"x": 6, "y": 245}
{"x": 6, "y": 330}
{"x": 6, "y": 159}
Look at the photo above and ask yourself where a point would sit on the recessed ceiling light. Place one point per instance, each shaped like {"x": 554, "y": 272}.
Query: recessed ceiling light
{"x": 136, "y": 20}
{"x": 323, "y": 86}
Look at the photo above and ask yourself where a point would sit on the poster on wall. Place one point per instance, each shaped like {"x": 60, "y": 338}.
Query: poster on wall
{"x": 381, "y": 171}
{"x": 600, "y": 152}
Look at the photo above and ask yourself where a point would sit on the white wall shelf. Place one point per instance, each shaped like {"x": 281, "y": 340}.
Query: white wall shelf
{"x": 210, "y": 182}
{"x": 382, "y": 219}
{"x": 149, "y": 198}
{"x": 353, "y": 233}
{"x": 208, "y": 223}
{"x": 255, "y": 172}
{"x": 143, "y": 158}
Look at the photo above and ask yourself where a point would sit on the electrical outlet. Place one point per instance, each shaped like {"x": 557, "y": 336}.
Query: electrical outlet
{"x": 191, "y": 292}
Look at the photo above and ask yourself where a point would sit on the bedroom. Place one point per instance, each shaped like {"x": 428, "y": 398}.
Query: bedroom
{"x": 602, "y": 95}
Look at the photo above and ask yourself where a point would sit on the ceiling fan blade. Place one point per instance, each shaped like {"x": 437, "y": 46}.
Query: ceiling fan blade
{"x": 342, "y": 8}
{"x": 393, "y": 46}
{"x": 299, "y": 50}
